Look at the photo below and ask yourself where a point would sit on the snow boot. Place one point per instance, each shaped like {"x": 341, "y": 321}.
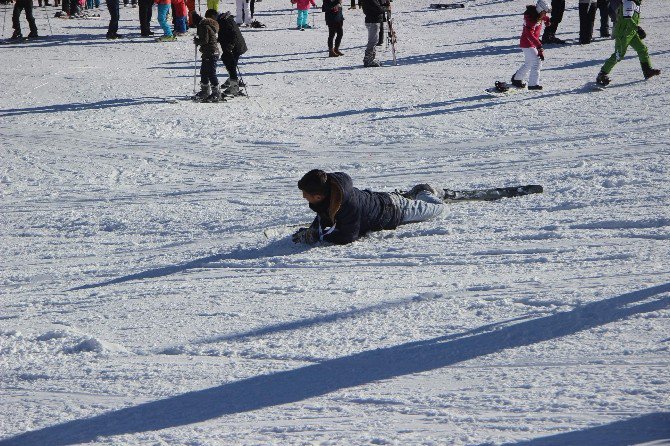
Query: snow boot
{"x": 535, "y": 87}
{"x": 17, "y": 35}
{"x": 602, "y": 79}
{"x": 205, "y": 91}
{"x": 338, "y": 52}
{"x": 372, "y": 63}
{"x": 233, "y": 89}
{"x": 32, "y": 35}
{"x": 332, "y": 53}
{"x": 215, "y": 95}
{"x": 648, "y": 71}
{"x": 518, "y": 84}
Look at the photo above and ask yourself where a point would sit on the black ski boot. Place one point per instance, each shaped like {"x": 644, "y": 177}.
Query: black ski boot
{"x": 17, "y": 35}
{"x": 215, "y": 95}
{"x": 205, "y": 91}
{"x": 648, "y": 71}
{"x": 516, "y": 83}
{"x": 602, "y": 79}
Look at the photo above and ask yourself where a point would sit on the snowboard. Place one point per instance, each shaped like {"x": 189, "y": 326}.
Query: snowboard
{"x": 491, "y": 194}
{"x": 503, "y": 89}
{"x": 447, "y": 5}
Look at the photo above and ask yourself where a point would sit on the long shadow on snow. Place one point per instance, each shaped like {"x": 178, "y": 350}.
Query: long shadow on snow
{"x": 637, "y": 430}
{"x": 341, "y": 373}
{"x": 77, "y": 106}
{"x": 472, "y": 18}
{"x": 277, "y": 248}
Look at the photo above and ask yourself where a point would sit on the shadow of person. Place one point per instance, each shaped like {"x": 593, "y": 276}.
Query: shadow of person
{"x": 342, "y": 373}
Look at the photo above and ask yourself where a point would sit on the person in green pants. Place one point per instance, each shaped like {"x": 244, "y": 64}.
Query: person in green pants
{"x": 625, "y": 35}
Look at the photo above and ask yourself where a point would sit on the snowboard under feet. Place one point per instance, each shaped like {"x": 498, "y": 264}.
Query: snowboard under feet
{"x": 491, "y": 194}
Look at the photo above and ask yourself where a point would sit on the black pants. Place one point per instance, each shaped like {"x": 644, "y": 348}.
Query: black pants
{"x": 604, "y": 7}
{"x": 353, "y": 3}
{"x": 144, "y": 9}
{"x": 113, "y": 8}
{"x": 28, "y": 6}
{"x": 557, "y": 10}
{"x": 335, "y": 32}
{"x": 251, "y": 7}
{"x": 587, "y": 17}
{"x": 208, "y": 71}
{"x": 230, "y": 61}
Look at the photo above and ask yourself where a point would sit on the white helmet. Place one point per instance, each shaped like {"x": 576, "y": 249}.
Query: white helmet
{"x": 542, "y": 5}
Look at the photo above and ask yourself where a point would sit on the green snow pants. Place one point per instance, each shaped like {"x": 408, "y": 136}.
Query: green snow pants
{"x": 625, "y": 35}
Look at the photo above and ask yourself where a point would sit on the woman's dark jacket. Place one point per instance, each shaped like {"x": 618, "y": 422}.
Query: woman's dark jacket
{"x": 353, "y": 212}
{"x": 332, "y": 17}
{"x": 230, "y": 36}
{"x": 374, "y": 10}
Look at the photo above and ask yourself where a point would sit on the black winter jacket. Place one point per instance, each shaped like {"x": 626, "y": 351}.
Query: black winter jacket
{"x": 374, "y": 10}
{"x": 353, "y": 212}
{"x": 230, "y": 36}
{"x": 332, "y": 17}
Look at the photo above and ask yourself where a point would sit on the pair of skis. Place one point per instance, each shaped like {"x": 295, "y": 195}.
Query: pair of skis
{"x": 390, "y": 35}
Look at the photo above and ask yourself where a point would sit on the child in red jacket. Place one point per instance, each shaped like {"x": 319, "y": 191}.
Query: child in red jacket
{"x": 180, "y": 12}
{"x": 534, "y": 18}
{"x": 303, "y": 13}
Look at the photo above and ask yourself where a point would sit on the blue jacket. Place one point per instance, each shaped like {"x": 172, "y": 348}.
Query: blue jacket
{"x": 349, "y": 213}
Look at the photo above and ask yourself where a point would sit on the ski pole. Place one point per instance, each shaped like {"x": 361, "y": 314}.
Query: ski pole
{"x": 51, "y": 31}
{"x": 4, "y": 21}
{"x": 195, "y": 69}
{"x": 241, "y": 81}
{"x": 313, "y": 16}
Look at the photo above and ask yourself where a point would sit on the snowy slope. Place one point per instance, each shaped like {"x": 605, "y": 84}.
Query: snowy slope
{"x": 141, "y": 302}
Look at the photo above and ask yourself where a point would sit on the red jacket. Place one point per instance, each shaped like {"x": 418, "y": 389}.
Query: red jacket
{"x": 180, "y": 9}
{"x": 530, "y": 36}
{"x": 303, "y": 4}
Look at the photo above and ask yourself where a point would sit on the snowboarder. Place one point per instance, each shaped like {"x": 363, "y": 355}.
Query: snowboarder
{"x": 627, "y": 33}
{"x": 374, "y": 11}
{"x": 335, "y": 20}
{"x": 534, "y": 18}
{"x": 233, "y": 46}
{"x": 207, "y": 40}
{"x": 26, "y": 5}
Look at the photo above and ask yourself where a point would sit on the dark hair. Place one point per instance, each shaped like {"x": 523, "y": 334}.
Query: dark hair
{"x": 314, "y": 182}
{"x": 211, "y": 13}
{"x": 531, "y": 13}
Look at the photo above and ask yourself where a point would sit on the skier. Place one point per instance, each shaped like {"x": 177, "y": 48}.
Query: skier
{"x": 335, "y": 20}
{"x": 587, "y": 17}
{"x": 345, "y": 213}
{"x": 26, "y": 5}
{"x": 206, "y": 39}
{"x": 233, "y": 46}
{"x": 534, "y": 17}
{"x": 627, "y": 33}
{"x": 303, "y": 13}
{"x": 557, "y": 9}
{"x": 374, "y": 11}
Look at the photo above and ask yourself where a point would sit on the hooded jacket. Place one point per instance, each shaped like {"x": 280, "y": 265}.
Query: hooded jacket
{"x": 230, "y": 36}
{"x": 208, "y": 31}
{"x": 349, "y": 213}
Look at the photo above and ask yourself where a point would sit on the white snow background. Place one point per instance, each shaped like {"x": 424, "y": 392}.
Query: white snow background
{"x": 142, "y": 304}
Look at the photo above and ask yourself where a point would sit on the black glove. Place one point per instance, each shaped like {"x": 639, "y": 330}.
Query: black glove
{"x": 641, "y": 33}
{"x": 306, "y": 235}
{"x": 540, "y": 53}
{"x": 196, "y": 41}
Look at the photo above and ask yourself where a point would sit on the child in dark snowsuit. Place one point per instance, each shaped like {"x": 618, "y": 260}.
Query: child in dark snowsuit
{"x": 207, "y": 40}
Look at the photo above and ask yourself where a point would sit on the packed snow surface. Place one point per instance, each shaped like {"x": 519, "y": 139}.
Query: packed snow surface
{"x": 151, "y": 294}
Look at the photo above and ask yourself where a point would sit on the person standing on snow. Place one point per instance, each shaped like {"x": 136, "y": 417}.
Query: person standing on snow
{"x": 345, "y": 213}
{"x": 26, "y": 5}
{"x": 233, "y": 46}
{"x": 375, "y": 11}
{"x": 627, "y": 33}
{"x": 243, "y": 17}
{"x": 557, "y": 9}
{"x": 534, "y": 18}
{"x": 207, "y": 40}
{"x": 303, "y": 13}
{"x": 113, "y": 28}
{"x": 335, "y": 20}
{"x": 587, "y": 17}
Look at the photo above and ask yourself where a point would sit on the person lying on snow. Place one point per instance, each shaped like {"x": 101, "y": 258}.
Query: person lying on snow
{"x": 344, "y": 213}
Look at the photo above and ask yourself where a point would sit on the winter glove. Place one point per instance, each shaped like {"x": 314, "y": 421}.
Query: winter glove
{"x": 196, "y": 41}
{"x": 641, "y": 33}
{"x": 540, "y": 53}
{"x": 306, "y": 235}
